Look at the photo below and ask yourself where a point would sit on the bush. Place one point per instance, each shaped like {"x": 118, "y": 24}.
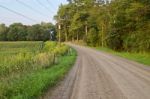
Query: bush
{"x": 24, "y": 74}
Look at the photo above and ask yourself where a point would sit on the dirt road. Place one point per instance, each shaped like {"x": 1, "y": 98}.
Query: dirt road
{"x": 98, "y": 75}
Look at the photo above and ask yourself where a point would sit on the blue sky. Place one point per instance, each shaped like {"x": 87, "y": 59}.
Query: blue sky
{"x": 44, "y": 11}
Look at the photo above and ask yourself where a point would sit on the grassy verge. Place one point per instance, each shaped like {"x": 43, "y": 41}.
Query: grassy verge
{"x": 27, "y": 75}
{"x": 143, "y": 58}
{"x": 34, "y": 84}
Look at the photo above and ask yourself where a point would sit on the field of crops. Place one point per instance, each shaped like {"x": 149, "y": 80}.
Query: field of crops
{"x": 17, "y": 47}
{"x": 16, "y": 56}
{"x": 22, "y": 61}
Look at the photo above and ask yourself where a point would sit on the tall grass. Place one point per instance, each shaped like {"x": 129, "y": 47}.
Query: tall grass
{"x": 18, "y": 47}
{"x": 143, "y": 58}
{"x": 33, "y": 66}
{"x": 17, "y": 56}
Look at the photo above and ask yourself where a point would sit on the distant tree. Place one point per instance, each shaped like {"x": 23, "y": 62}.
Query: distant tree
{"x": 3, "y": 32}
{"x": 41, "y": 32}
{"x": 17, "y": 32}
{"x": 20, "y": 32}
{"x": 34, "y": 33}
{"x": 49, "y": 32}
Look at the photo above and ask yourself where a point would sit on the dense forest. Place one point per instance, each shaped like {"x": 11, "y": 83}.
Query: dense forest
{"x": 122, "y": 25}
{"x": 20, "y": 32}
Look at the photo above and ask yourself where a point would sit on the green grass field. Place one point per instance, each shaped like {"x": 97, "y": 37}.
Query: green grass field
{"x": 17, "y": 47}
{"x": 16, "y": 56}
{"x": 29, "y": 68}
{"x": 143, "y": 58}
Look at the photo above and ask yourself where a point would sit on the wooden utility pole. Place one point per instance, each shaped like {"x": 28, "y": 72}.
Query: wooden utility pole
{"x": 102, "y": 35}
{"x": 59, "y": 30}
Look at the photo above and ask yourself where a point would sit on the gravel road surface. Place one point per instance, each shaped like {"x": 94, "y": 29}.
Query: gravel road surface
{"x": 99, "y": 75}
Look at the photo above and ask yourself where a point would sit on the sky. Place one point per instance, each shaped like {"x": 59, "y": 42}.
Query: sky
{"x": 37, "y": 11}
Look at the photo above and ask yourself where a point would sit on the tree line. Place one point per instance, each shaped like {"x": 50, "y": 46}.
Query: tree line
{"x": 122, "y": 25}
{"x": 20, "y": 32}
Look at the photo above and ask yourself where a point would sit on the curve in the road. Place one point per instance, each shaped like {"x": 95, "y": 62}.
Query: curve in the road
{"x": 98, "y": 75}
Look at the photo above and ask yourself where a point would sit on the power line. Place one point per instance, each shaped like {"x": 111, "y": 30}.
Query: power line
{"x": 50, "y": 3}
{"x": 44, "y": 6}
{"x": 26, "y": 5}
{"x": 1, "y": 6}
{"x": 52, "y": 6}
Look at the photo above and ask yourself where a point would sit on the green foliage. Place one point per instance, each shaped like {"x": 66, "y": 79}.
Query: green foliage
{"x": 17, "y": 56}
{"x": 143, "y": 58}
{"x": 119, "y": 24}
{"x": 33, "y": 84}
{"x": 3, "y": 32}
{"x": 49, "y": 46}
{"x": 28, "y": 68}
{"x": 92, "y": 38}
{"x": 20, "y": 32}
{"x": 20, "y": 47}
{"x": 17, "y": 32}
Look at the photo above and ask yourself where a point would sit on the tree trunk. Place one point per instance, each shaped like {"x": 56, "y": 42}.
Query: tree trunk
{"x": 66, "y": 35}
{"x": 77, "y": 37}
{"x": 102, "y": 40}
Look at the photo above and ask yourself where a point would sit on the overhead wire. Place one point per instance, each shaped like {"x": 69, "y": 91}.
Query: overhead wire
{"x": 44, "y": 6}
{"x": 30, "y": 7}
{"x": 17, "y": 13}
{"x": 50, "y": 3}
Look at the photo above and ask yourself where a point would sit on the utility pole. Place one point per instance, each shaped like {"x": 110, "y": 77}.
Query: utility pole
{"x": 59, "y": 30}
{"x": 65, "y": 26}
